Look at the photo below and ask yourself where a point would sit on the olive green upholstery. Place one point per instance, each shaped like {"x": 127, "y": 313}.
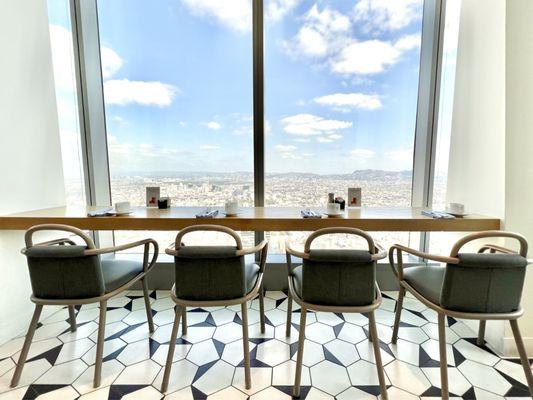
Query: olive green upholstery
{"x": 486, "y": 283}
{"x": 427, "y": 280}
{"x": 336, "y": 277}
{"x": 480, "y": 283}
{"x": 64, "y": 272}
{"x": 205, "y": 273}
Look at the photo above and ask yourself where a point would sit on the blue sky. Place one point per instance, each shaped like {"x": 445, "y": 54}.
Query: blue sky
{"x": 341, "y": 82}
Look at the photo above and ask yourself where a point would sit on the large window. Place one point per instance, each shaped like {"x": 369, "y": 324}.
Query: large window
{"x": 67, "y": 101}
{"x": 340, "y": 103}
{"x": 178, "y": 101}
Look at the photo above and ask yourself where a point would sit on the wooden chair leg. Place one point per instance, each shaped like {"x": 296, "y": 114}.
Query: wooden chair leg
{"x": 523, "y": 356}
{"x": 377, "y": 355}
{"x": 72, "y": 318}
{"x": 399, "y": 305}
{"x": 481, "y": 333}
{"x": 184, "y": 321}
{"x": 100, "y": 345}
{"x": 299, "y": 356}
{"x": 147, "y": 305}
{"x": 27, "y": 343}
{"x": 443, "y": 359}
{"x": 289, "y": 316}
{"x": 246, "y": 347}
{"x": 262, "y": 308}
{"x": 172, "y": 345}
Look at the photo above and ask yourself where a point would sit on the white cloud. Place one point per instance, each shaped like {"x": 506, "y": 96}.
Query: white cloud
{"x": 383, "y": 15}
{"x": 329, "y": 138}
{"x": 213, "y": 125}
{"x": 111, "y": 62}
{"x": 209, "y": 147}
{"x": 233, "y": 14}
{"x": 124, "y": 91}
{"x": 282, "y": 148}
{"x": 335, "y": 136}
{"x": 347, "y": 101}
{"x": 309, "y": 124}
{"x": 371, "y": 56}
{"x": 399, "y": 155}
{"x": 362, "y": 153}
{"x": 277, "y": 9}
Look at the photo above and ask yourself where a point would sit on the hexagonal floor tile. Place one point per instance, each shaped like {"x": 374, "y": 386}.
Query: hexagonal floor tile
{"x": 233, "y": 352}
{"x": 343, "y": 351}
{"x": 407, "y": 377}
{"x": 273, "y": 352}
{"x": 181, "y": 376}
{"x": 261, "y": 379}
{"x": 352, "y": 333}
{"x": 180, "y": 352}
{"x": 484, "y": 377}
{"x": 142, "y": 373}
{"x": 319, "y": 333}
{"x": 329, "y": 377}
{"x": 110, "y": 370}
{"x": 228, "y": 333}
{"x": 283, "y": 374}
{"x": 203, "y": 353}
{"x": 217, "y": 377}
{"x": 313, "y": 353}
{"x": 364, "y": 373}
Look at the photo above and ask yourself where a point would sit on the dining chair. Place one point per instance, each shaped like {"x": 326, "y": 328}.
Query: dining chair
{"x": 335, "y": 280}
{"x": 480, "y": 286}
{"x": 63, "y": 273}
{"x": 211, "y": 276}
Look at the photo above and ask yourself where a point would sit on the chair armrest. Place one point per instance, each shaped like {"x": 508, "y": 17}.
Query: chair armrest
{"x": 293, "y": 252}
{"x": 105, "y": 250}
{"x": 51, "y": 243}
{"x": 381, "y": 254}
{"x": 252, "y": 250}
{"x": 495, "y": 248}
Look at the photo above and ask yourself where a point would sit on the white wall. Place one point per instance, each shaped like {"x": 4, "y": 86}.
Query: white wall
{"x": 476, "y": 175}
{"x": 31, "y": 175}
{"x": 519, "y": 146}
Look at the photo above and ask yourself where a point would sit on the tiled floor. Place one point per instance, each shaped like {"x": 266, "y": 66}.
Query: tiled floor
{"x": 208, "y": 363}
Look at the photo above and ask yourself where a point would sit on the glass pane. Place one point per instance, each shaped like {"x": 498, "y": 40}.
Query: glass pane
{"x": 340, "y": 101}
{"x": 178, "y": 101}
{"x": 440, "y": 243}
{"x": 67, "y": 102}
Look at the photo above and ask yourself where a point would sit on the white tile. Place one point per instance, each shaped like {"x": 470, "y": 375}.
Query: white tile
{"x": 413, "y": 304}
{"x": 354, "y": 394}
{"x": 11, "y": 347}
{"x": 180, "y": 352}
{"x": 135, "y": 352}
{"x": 142, "y": 373}
{"x": 182, "y": 394}
{"x": 82, "y": 332}
{"x": 146, "y": 393}
{"x": 414, "y": 335}
{"x": 329, "y": 377}
{"x": 227, "y": 333}
{"x": 261, "y": 379}
{"x": 483, "y": 394}
{"x": 313, "y": 354}
{"x": 355, "y": 318}
{"x": 138, "y": 304}
{"x": 203, "y": 353}
{"x": 407, "y": 377}
{"x": 101, "y": 393}
{"x": 135, "y": 317}
{"x": 484, "y": 377}
{"x": 110, "y": 330}
{"x": 254, "y": 332}
{"x": 118, "y": 301}
{"x": 343, "y": 351}
{"x": 384, "y": 333}
{"x": 270, "y": 304}
{"x": 110, "y": 370}
{"x": 161, "y": 294}
{"x": 413, "y": 319}
{"x": 457, "y": 383}
{"x": 283, "y": 306}
{"x": 273, "y": 352}
{"x": 166, "y": 317}
{"x": 366, "y": 352}
{"x": 432, "y": 330}
{"x": 216, "y": 378}
{"x": 514, "y": 370}
{"x": 406, "y": 351}
{"x": 315, "y": 394}
{"x": 229, "y": 393}
{"x": 474, "y": 353}
{"x": 196, "y": 334}
{"x": 233, "y": 352}
{"x": 388, "y": 304}
{"x": 181, "y": 376}
{"x": 65, "y": 393}
{"x": 41, "y": 347}
{"x": 328, "y": 318}
{"x": 253, "y": 316}
{"x": 364, "y": 373}
{"x": 398, "y": 394}
{"x": 279, "y": 334}
{"x": 223, "y": 316}
{"x": 6, "y": 365}
{"x": 269, "y": 394}
{"x": 110, "y": 346}
{"x": 319, "y": 333}
{"x": 463, "y": 331}
{"x": 116, "y": 315}
{"x": 163, "y": 304}
{"x": 13, "y": 394}
{"x": 60, "y": 315}
{"x": 431, "y": 347}
{"x": 86, "y": 315}
{"x": 352, "y": 333}
{"x": 276, "y": 317}
{"x": 275, "y": 294}
{"x": 139, "y": 333}
{"x": 385, "y": 317}
{"x": 31, "y": 372}
{"x": 63, "y": 373}
{"x": 194, "y": 318}
{"x": 283, "y": 374}
{"x": 74, "y": 350}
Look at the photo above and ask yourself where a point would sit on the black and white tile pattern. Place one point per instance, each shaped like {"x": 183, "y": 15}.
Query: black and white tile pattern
{"x": 208, "y": 362}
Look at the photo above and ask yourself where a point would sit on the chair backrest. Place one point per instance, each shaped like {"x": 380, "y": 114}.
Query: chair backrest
{"x": 209, "y": 273}
{"x": 337, "y": 276}
{"x": 61, "y": 270}
{"x": 485, "y": 282}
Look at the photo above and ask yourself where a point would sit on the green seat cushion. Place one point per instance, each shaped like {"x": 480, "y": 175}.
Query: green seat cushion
{"x": 119, "y": 272}
{"x": 426, "y": 280}
{"x": 297, "y": 280}
{"x": 252, "y": 272}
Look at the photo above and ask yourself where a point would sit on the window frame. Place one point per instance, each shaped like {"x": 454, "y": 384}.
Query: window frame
{"x": 86, "y": 41}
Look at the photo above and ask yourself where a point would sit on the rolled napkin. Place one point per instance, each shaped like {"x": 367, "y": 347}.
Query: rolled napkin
{"x": 437, "y": 214}
{"x": 310, "y": 214}
{"x": 207, "y": 214}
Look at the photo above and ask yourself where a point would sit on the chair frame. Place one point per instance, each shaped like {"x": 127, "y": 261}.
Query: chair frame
{"x": 378, "y": 253}
{"x": 102, "y": 300}
{"x": 182, "y": 304}
{"x": 512, "y": 317}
